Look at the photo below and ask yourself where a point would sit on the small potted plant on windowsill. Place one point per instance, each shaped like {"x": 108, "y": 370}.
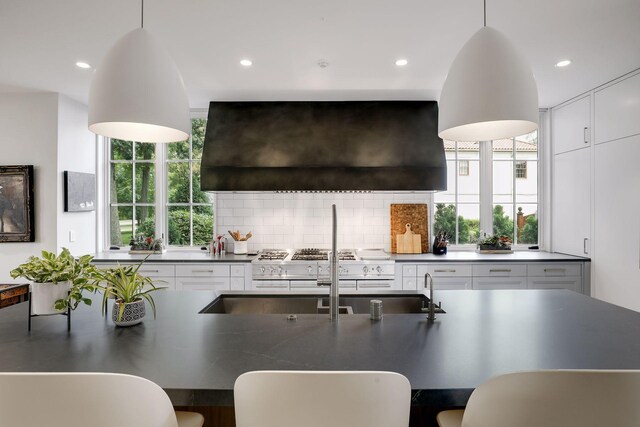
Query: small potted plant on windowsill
{"x": 130, "y": 290}
{"x": 58, "y": 282}
{"x": 495, "y": 245}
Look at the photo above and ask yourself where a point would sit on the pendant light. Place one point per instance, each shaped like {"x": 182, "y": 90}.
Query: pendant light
{"x": 489, "y": 93}
{"x": 138, "y": 94}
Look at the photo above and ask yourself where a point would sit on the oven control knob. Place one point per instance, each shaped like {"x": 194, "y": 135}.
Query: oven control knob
{"x": 340, "y": 270}
{"x": 365, "y": 269}
{"x": 280, "y": 271}
{"x": 310, "y": 269}
{"x": 319, "y": 269}
{"x": 262, "y": 269}
{"x": 379, "y": 269}
{"x": 273, "y": 270}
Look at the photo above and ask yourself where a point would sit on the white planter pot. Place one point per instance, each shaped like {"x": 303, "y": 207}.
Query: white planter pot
{"x": 132, "y": 314}
{"x": 45, "y": 295}
{"x": 240, "y": 247}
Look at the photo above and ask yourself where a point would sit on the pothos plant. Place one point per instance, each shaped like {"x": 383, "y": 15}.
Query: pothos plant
{"x": 126, "y": 285}
{"x": 64, "y": 268}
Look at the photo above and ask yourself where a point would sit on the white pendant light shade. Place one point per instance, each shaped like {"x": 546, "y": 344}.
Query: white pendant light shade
{"x": 137, "y": 93}
{"x": 489, "y": 93}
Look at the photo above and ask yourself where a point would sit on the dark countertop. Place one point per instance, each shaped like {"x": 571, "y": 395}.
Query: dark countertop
{"x": 471, "y": 256}
{"x": 453, "y": 256}
{"x": 170, "y": 257}
{"x": 197, "y": 357}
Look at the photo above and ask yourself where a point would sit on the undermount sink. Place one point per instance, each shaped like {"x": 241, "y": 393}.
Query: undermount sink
{"x": 313, "y": 304}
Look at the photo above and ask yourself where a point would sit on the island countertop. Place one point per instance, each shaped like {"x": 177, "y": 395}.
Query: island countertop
{"x": 197, "y": 357}
{"x": 452, "y": 256}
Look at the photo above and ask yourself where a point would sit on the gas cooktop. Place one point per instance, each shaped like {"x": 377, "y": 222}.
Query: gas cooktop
{"x": 273, "y": 255}
{"x": 314, "y": 254}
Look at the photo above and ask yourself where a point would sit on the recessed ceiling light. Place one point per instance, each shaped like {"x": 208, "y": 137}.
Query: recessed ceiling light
{"x": 563, "y": 63}
{"x": 246, "y": 62}
{"x": 83, "y": 65}
{"x": 401, "y": 62}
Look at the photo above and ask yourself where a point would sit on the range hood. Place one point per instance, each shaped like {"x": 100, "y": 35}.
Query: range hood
{"x": 323, "y": 146}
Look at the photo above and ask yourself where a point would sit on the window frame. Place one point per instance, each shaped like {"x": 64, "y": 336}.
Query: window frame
{"x": 463, "y": 171}
{"x": 520, "y": 169}
{"x": 161, "y": 204}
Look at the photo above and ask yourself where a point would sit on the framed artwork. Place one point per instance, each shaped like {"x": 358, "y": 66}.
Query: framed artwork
{"x": 16, "y": 204}
{"x": 79, "y": 192}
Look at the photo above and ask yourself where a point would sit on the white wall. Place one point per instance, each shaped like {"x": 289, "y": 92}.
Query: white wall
{"x": 48, "y": 131}
{"x": 29, "y": 125}
{"x": 297, "y": 220}
{"x": 76, "y": 153}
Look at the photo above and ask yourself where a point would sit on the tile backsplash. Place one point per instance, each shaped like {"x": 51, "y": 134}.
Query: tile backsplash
{"x": 296, "y": 220}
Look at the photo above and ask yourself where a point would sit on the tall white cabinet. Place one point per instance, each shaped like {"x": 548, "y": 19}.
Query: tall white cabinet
{"x": 571, "y": 183}
{"x": 596, "y": 180}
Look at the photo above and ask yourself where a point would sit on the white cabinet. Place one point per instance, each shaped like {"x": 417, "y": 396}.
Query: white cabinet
{"x": 570, "y": 125}
{"x": 210, "y": 276}
{"x": 447, "y": 283}
{"x": 162, "y": 275}
{"x": 571, "y": 202}
{"x": 500, "y": 270}
{"x": 554, "y": 270}
{"x": 203, "y": 284}
{"x": 617, "y": 110}
{"x": 452, "y": 276}
{"x": 616, "y": 260}
{"x": 571, "y": 283}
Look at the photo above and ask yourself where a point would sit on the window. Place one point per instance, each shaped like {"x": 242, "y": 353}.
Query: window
{"x": 189, "y": 209}
{"x": 155, "y": 191}
{"x": 132, "y": 190}
{"x": 463, "y": 167}
{"x": 502, "y": 199}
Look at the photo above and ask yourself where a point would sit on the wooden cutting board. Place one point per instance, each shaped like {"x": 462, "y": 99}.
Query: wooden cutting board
{"x": 409, "y": 213}
{"x": 409, "y": 242}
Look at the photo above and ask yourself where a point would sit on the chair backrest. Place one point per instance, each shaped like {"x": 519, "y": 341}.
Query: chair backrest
{"x": 81, "y": 400}
{"x": 322, "y": 398}
{"x": 581, "y": 398}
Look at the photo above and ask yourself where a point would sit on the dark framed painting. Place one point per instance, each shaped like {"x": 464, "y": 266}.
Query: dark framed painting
{"x": 16, "y": 204}
{"x": 79, "y": 192}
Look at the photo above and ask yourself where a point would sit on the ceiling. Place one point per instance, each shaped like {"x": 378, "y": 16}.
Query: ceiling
{"x": 40, "y": 41}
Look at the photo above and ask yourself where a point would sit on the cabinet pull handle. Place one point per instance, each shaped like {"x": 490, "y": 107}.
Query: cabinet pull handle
{"x": 379, "y": 285}
{"x": 561, "y": 270}
{"x": 272, "y": 286}
{"x": 586, "y": 135}
{"x": 202, "y": 271}
{"x": 149, "y": 271}
{"x": 445, "y": 271}
{"x": 584, "y": 245}
{"x": 500, "y": 270}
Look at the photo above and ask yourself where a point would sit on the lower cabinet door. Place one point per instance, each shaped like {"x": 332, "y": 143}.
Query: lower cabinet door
{"x": 164, "y": 282}
{"x": 444, "y": 283}
{"x": 203, "y": 284}
{"x": 499, "y": 283}
{"x": 237, "y": 283}
{"x": 571, "y": 283}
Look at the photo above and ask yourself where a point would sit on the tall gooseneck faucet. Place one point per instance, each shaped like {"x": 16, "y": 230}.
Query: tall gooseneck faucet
{"x": 334, "y": 298}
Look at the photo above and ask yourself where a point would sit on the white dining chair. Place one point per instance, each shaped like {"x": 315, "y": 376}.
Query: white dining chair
{"x": 87, "y": 399}
{"x": 565, "y": 398}
{"x": 322, "y": 398}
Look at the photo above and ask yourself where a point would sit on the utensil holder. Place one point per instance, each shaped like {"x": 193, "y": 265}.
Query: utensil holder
{"x": 240, "y": 247}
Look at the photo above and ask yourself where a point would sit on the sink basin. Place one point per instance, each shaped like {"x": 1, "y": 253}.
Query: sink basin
{"x": 313, "y": 304}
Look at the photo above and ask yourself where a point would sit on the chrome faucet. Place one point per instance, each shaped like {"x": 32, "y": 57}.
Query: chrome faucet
{"x": 334, "y": 295}
{"x": 433, "y": 307}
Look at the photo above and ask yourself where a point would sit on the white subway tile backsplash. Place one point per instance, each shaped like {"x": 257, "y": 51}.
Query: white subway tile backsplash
{"x": 304, "y": 219}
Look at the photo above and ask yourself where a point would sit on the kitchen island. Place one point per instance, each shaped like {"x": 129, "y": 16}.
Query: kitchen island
{"x": 197, "y": 357}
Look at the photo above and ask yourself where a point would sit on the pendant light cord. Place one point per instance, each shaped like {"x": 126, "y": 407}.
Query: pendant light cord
{"x": 142, "y": 14}
{"x": 485, "y": 12}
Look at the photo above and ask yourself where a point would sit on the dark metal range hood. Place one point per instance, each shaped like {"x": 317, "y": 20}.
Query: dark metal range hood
{"x": 323, "y": 146}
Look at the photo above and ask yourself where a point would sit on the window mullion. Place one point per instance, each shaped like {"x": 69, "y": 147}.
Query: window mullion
{"x": 486, "y": 187}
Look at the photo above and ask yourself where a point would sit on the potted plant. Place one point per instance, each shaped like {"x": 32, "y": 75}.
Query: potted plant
{"x": 58, "y": 282}
{"x": 494, "y": 244}
{"x": 130, "y": 290}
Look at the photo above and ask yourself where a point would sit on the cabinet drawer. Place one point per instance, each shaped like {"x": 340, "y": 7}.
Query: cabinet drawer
{"x": 165, "y": 282}
{"x": 237, "y": 283}
{"x": 444, "y": 270}
{"x": 237, "y": 270}
{"x": 500, "y": 270}
{"x": 204, "y": 284}
{"x": 409, "y": 271}
{"x": 370, "y": 285}
{"x": 440, "y": 283}
{"x": 203, "y": 270}
{"x": 499, "y": 283}
{"x": 571, "y": 283}
{"x": 147, "y": 269}
{"x": 265, "y": 285}
{"x": 410, "y": 284}
{"x": 554, "y": 270}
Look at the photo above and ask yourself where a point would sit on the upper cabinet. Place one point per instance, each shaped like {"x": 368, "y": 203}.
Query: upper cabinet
{"x": 571, "y": 125}
{"x": 617, "y": 110}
